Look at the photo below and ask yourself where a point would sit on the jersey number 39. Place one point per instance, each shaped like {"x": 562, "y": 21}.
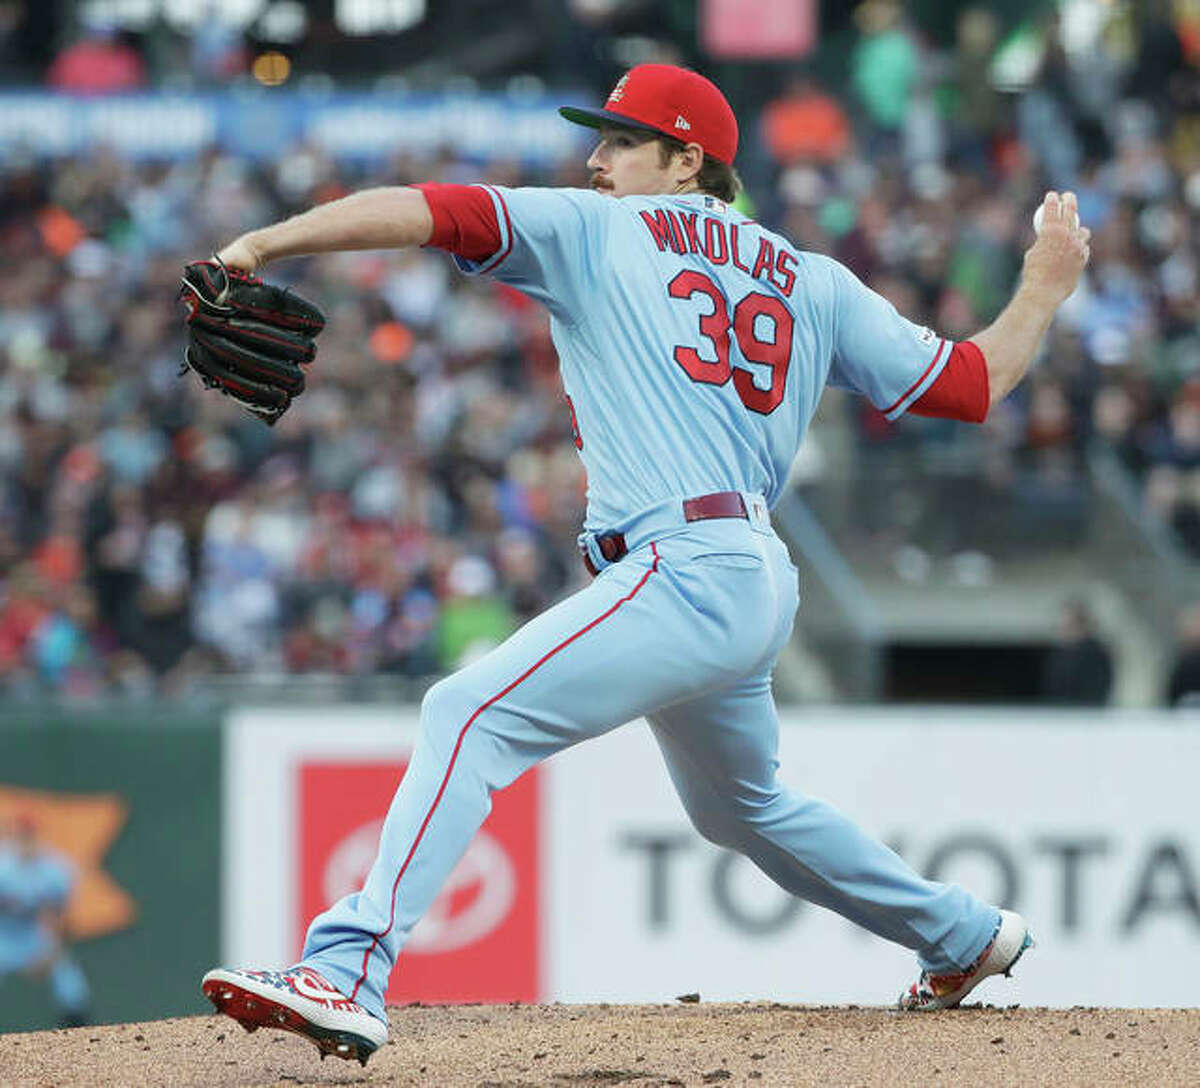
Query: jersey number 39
{"x": 775, "y": 353}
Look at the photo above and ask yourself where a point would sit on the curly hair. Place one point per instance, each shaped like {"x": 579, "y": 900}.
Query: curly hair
{"x": 717, "y": 178}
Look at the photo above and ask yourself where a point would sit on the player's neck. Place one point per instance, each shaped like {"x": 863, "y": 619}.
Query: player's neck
{"x": 683, "y": 188}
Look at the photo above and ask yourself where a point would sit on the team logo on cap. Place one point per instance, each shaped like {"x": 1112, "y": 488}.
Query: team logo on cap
{"x": 618, "y": 92}
{"x": 681, "y": 122}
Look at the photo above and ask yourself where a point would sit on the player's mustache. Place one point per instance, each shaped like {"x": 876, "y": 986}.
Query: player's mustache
{"x": 599, "y": 182}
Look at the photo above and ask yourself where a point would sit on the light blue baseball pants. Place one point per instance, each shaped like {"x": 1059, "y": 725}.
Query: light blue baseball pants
{"x": 684, "y": 630}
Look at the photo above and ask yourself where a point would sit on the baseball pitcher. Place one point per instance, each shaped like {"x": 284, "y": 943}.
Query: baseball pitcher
{"x": 694, "y": 346}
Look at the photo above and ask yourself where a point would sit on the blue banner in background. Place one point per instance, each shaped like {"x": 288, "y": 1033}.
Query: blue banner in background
{"x": 363, "y": 127}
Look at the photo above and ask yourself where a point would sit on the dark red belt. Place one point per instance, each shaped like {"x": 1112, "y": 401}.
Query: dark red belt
{"x": 720, "y": 504}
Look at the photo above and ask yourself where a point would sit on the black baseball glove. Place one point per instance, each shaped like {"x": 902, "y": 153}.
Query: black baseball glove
{"x": 247, "y": 338}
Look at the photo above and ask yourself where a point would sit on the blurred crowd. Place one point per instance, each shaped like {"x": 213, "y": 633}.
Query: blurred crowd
{"x": 422, "y": 498}
{"x": 416, "y": 504}
{"x": 922, "y": 175}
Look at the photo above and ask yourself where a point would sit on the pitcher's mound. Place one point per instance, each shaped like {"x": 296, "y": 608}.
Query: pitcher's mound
{"x": 579, "y": 1046}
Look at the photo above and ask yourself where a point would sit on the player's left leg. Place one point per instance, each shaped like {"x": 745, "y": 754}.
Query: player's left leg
{"x": 721, "y": 753}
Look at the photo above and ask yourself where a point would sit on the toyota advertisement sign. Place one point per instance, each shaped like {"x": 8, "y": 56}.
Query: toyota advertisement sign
{"x": 587, "y": 883}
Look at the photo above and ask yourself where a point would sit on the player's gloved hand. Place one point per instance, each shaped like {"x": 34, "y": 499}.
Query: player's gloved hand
{"x": 247, "y": 338}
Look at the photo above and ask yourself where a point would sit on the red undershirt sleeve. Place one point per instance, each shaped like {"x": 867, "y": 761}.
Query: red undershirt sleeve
{"x": 961, "y": 390}
{"x": 464, "y": 220}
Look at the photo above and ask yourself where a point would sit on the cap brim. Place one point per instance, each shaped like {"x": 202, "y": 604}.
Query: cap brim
{"x": 600, "y": 118}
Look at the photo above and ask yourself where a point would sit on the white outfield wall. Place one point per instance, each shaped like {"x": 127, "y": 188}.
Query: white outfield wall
{"x": 1089, "y": 824}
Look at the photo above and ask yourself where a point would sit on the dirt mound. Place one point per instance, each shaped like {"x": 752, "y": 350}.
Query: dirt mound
{"x": 580, "y": 1046}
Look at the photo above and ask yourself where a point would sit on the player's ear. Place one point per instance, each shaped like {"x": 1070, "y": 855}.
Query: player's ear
{"x": 691, "y": 158}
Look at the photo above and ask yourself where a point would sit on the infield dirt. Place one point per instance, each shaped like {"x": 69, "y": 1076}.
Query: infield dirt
{"x": 598, "y": 1045}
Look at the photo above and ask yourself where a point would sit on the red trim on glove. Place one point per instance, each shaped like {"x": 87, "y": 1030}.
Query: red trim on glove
{"x": 464, "y": 220}
{"x": 961, "y": 390}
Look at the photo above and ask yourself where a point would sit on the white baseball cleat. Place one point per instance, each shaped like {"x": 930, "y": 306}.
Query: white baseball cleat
{"x": 1008, "y": 944}
{"x": 300, "y": 1000}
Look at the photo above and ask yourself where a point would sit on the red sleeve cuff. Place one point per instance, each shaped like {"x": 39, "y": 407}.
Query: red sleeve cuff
{"x": 961, "y": 391}
{"x": 464, "y": 220}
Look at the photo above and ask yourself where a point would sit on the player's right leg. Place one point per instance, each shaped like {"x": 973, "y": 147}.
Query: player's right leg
{"x": 721, "y": 753}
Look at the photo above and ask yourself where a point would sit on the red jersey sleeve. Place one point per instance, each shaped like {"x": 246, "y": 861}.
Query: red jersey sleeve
{"x": 464, "y": 220}
{"x": 961, "y": 390}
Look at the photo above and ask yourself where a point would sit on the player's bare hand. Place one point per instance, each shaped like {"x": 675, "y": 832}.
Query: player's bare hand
{"x": 243, "y": 254}
{"x": 1056, "y": 260}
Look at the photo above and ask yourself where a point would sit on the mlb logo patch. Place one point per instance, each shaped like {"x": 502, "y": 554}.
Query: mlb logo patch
{"x": 681, "y": 122}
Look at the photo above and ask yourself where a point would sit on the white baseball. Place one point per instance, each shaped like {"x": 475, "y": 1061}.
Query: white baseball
{"x": 1037, "y": 219}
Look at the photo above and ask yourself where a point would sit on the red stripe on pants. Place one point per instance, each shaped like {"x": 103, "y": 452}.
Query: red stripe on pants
{"x": 458, "y": 747}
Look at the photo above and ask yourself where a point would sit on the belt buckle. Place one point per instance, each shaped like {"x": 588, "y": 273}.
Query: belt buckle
{"x": 600, "y": 550}
{"x": 612, "y": 546}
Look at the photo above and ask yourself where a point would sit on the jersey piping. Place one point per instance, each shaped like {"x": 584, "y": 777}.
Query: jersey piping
{"x": 918, "y": 387}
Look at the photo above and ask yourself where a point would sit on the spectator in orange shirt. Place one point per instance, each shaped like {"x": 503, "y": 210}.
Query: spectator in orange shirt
{"x": 805, "y": 125}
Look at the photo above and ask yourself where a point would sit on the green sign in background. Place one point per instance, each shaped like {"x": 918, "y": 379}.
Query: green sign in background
{"x": 167, "y": 857}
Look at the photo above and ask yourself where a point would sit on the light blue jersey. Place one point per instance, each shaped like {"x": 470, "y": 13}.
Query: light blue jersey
{"x": 29, "y": 886}
{"x": 695, "y": 344}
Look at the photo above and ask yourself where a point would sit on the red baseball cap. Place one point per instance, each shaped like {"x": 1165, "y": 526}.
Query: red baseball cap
{"x": 673, "y": 101}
